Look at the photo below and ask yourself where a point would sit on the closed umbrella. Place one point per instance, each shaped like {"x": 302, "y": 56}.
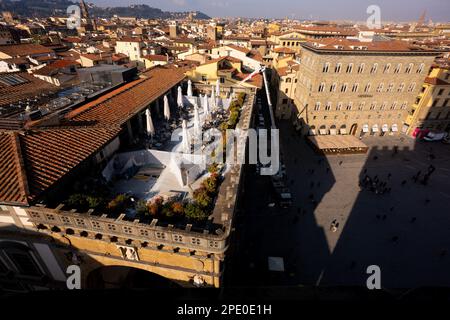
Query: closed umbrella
{"x": 185, "y": 136}
{"x": 213, "y": 98}
{"x": 166, "y": 108}
{"x": 205, "y": 105}
{"x": 196, "y": 120}
{"x": 217, "y": 87}
{"x": 189, "y": 92}
{"x": 180, "y": 98}
{"x": 150, "y": 127}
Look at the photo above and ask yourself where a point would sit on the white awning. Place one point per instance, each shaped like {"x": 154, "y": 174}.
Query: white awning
{"x": 365, "y": 128}
{"x": 385, "y": 128}
{"x": 323, "y": 131}
{"x": 333, "y": 132}
{"x": 343, "y": 131}
{"x": 394, "y": 128}
{"x": 375, "y": 128}
{"x": 312, "y": 132}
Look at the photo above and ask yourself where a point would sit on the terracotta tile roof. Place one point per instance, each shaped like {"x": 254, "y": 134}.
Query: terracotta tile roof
{"x": 355, "y": 45}
{"x": 32, "y": 162}
{"x": 13, "y": 186}
{"x": 436, "y": 81}
{"x": 21, "y": 50}
{"x": 116, "y": 107}
{"x": 30, "y": 88}
{"x": 156, "y": 57}
{"x": 284, "y": 50}
{"x": 238, "y": 48}
{"x": 229, "y": 58}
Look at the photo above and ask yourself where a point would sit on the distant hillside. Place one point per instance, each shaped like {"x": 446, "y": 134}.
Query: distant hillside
{"x": 46, "y": 8}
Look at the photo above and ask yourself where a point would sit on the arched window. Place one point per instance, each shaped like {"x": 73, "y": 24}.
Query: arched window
{"x": 355, "y": 87}
{"x": 288, "y": 80}
{"x": 338, "y": 68}
{"x": 361, "y": 68}
{"x": 322, "y": 87}
{"x": 420, "y": 68}
{"x": 380, "y": 87}
{"x": 326, "y": 67}
{"x": 350, "y": 68}
{"x": 409, "y": 68}
{"x": 317, "y": 106}
{"x": 374, "y": 68}
{"x": 367, "y": 88}
{"x": 398, "y": 68}
{"x": 333, "y": 87}
{"x": 387, "y": 68}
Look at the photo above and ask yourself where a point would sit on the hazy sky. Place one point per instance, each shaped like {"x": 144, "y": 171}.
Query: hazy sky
{"x": 398, "y": 10}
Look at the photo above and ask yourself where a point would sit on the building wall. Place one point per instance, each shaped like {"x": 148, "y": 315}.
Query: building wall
{"x": 431, "y": 109}
{"x": 356, "y": 107}
{"x": 50, "y": 249}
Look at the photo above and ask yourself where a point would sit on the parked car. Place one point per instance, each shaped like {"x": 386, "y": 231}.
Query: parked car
{"x": 433, "y": 136}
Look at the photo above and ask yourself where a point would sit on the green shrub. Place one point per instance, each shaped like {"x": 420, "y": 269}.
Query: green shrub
{"x": 142, "y": 208}
{"x": 118, "y": 204}
{"x": 202, "y": 198}
{"x": 155, "y": 206}
{"x": 195, "y": 212}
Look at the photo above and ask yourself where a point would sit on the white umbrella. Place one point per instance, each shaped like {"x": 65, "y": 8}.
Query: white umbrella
{"x": 197, "y": 129}
{"x": 189, "y": 92}
{"x": 205, "y": 105}
{"x": 166, "y": 108}
{"x": 217, "y": 87}
{"x": 180, "y": 98}
{"x": 150, "y": 127}
{"x": 185, "y": 136}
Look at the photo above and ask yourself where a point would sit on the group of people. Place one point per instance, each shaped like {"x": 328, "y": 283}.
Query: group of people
{"x": 424, "y": 179}
{"x": 375, "y": 185}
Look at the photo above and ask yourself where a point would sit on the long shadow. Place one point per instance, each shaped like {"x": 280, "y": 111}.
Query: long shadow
{"x": 294, "y": 233}
{"x": 405, "y": 230}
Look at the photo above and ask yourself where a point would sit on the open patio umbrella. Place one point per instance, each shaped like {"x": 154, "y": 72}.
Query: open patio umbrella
{"x": 166, "y": 108}
{"x": 180, "y": 98}
{"x": 150, "y": 127}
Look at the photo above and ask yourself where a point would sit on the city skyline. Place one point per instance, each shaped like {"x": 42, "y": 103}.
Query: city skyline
{"x": 436, "y": 10}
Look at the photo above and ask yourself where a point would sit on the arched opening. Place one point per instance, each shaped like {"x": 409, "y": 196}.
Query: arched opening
{"x": 353, "y": 129}
{"x": 123, "y": 277}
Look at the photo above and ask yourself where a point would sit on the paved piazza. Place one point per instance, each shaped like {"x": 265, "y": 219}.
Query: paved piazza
{"x": 406, "y": 231}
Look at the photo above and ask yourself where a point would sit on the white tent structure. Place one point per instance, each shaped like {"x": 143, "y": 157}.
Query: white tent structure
{"x": 150, "y": 127}
{"x": 166, "y": 108}
{"x": 180, "y": 98}
{"x": 189, "y": 91}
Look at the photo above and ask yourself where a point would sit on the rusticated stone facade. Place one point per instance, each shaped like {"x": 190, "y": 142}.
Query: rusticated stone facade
{"x": 358, "y": 88}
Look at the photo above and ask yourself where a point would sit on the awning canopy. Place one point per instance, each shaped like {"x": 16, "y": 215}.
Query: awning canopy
{"x": 375, "y": 128}
{"x": 365, "y": 128}
{"x": 385, "y": 128}
{"x": 343, "y": 131}
{"x": 394, "y": 128}
{"x": 333, "y": 131}
{"x": 323, "y": 131}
